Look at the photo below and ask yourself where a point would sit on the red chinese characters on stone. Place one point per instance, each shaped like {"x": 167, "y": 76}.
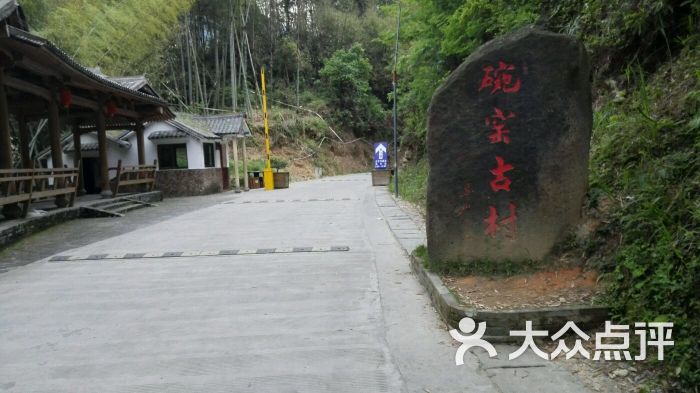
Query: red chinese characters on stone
{"x": 500, "y": 79}
{"x": 501, "y": 182}
{"x": 510, "y": 222}
{"x": 466, "y": 195}
{"x": 497, "y": 121}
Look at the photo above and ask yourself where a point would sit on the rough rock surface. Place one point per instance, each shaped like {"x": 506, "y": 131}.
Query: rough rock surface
{"x": 508, "y": 143}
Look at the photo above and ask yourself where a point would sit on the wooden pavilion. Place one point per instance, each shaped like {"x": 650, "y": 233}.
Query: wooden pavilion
{"x": 39, "y": 81}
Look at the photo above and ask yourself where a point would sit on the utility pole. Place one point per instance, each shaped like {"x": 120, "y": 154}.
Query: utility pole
{"x": 268, "y": 179}
{"x": 393, "y": 85}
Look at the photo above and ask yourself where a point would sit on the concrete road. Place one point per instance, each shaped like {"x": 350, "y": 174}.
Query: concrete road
{"x": 314, "y": 294}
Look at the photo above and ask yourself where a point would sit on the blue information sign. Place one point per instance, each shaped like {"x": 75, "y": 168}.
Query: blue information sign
{"x": 381, "y": 155}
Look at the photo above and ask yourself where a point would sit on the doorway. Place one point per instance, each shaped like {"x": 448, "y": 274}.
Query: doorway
{"x": 91, "y": 175}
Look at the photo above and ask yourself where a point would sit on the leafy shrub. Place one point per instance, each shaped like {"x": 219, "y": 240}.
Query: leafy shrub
{"x": 645, "y": 157}
{"x": 278, "y": 163}
{"x": 256, "y": 165}
{"x": 413, "y": 180}
{"x": 345, "y": 81}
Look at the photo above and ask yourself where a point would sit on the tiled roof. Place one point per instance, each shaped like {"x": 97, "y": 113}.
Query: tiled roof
{"x": 135, "y": 82}
{"x": 165, "y": 134}
{"x": 91, "y": 146}
{"x": 7, "y": 7}
{"x": 233, "y": 124}
{"x": 192, "y": 128}
{"x": 138, "y": 82}
{"x": 130, "y": 82}
{"x": 10, "y": 10}
{"x": 118, "y": 134}
{"x": 83, "y": 147}
{"x": 40, "y": 42}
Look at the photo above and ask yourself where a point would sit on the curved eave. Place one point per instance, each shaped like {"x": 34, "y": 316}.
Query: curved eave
{"x": 59, "y": 60}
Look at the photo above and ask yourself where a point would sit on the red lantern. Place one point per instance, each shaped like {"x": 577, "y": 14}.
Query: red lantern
{"x": 66, "y": 97}
{"x": 111, "y": 108}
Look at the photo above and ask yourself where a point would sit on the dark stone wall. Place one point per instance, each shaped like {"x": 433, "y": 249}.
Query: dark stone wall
{"x": 189, "y": 182}
{"x": 508, "y": 142}
{"x": 14, "y": 230}
{"x": 26, "y": 226}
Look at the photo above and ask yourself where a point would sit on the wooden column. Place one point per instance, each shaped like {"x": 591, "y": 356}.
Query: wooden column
{"x": 245, "y": 167}
{"x": 9, "y": 211}
{"x": 78, "y": 158}
{"x": 225, "y": 181}
{"x": 105, "y": 189}
{"x": 24, "y": 139}
{"x": 235, "y": 165}
{"x": 55, "y": 140}
{"x": 5, "y": 141}
{"x": 140, "y": 144}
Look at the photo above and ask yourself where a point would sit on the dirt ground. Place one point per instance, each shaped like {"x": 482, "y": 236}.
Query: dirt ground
{"x": 611, "y": 376}
{"x": 551, "y": 288}
{"x": 335, "y": 159}
{"x": 575, "y": 286}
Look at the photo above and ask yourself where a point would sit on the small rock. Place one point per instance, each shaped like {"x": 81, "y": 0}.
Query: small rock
{"x": 621, "y": 372}
{"x": 561, "y": 299}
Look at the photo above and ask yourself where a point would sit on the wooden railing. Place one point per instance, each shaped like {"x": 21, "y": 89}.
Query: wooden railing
{"x": 24, "y": 186}
{"x": 134, "y": 176}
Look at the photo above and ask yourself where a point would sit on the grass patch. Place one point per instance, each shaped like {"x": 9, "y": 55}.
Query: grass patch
{"x": 413, "y": 180}
{"x": 477, "y": 267}
{"x": 487, "y": 268}
{"x": 645, "y": 181}
{"x": 421, "y": 252}
{"x": 255, "y": 165}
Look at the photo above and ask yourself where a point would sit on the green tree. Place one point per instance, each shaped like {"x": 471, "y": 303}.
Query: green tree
{"x": 437, "y": 37}
{"x": 121, "y": 37}
{"x": 345, "y": 78}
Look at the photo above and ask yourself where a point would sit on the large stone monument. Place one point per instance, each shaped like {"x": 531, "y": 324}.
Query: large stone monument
{"x": 508, "y": 140}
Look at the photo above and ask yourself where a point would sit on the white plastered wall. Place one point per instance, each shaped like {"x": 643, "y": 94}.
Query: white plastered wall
{"x": 129, "y": 156}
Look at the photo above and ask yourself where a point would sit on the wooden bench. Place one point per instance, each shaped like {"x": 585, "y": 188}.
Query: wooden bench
{"x": 54, "y": 182}
{"x": 24, "y": 186}
{"x": 16, "y": 187}
{"x": 134, "y": 176}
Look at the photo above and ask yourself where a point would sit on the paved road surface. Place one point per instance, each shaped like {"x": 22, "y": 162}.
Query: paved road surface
{"x": 281, "y": 319}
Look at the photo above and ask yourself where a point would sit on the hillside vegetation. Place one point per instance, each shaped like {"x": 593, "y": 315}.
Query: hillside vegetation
{"x": 644, "y": 194}
{"x": 306, "y": 142}
{"x": 325, "y": 66}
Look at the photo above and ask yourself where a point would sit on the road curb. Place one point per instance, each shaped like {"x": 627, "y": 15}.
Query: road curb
{"x": 29, "y": 226}
{"x": 499, "y": 323}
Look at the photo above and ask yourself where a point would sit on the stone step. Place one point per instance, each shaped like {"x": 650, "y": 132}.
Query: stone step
{"x": 105, "y": 202}
{"x": 131, "y": 205}
{"x": 113, "y": 205}
{"x": 116, "y": 207}
{"x": 92, "y": 212}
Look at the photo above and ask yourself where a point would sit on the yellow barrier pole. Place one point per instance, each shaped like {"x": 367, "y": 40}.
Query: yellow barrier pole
{"x": 268, "y": 178}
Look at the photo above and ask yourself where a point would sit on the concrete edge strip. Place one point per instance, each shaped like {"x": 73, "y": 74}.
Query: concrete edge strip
{"x": 498, "y": 323}
{"x": 236, "y": 202}
{"x": 196, "y": 253}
